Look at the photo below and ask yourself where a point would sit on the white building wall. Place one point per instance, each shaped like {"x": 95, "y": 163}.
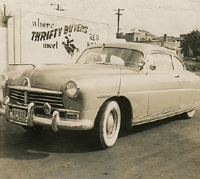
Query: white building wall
{"x": 25, "y": 47}
{"x": 3, "y": 49}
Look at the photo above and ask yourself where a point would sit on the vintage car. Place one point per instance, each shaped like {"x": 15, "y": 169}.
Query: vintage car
{"x": 111, "y": 86}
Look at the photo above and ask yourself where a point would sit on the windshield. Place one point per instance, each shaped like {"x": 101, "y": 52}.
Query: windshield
{"x": 108, "y": 55}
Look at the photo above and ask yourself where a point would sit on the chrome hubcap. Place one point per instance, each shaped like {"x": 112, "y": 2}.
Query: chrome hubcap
{"x": 111, "y": 124}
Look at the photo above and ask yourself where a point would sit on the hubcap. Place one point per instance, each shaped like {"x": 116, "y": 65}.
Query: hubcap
{"x": 111, "y": 124}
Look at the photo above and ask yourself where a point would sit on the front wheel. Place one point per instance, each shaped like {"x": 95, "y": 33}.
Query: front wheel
{"x": 107, "y": 125}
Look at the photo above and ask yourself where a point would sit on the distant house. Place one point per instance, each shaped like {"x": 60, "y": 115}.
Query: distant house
{"x": 136, "y": 35}
{"x": 143, "y": 36}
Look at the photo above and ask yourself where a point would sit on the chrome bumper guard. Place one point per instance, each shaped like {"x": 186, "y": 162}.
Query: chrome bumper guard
{"x": 3, "y": 104}
{"x": 55, "y": 122}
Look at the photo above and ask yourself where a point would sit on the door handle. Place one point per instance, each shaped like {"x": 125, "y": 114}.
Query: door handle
{"x": 176, "y": 76}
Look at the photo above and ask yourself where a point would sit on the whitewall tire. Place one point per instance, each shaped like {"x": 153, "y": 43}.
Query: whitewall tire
{"x": 107, "y": 125}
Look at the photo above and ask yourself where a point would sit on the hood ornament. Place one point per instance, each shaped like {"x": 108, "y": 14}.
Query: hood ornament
{"x": 26, "y": 83}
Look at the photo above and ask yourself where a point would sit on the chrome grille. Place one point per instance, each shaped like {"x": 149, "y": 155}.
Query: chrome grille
{"x": 19, "y": 96}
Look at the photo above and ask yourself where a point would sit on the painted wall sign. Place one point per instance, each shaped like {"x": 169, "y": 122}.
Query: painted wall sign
{"x": 39, "y": 38}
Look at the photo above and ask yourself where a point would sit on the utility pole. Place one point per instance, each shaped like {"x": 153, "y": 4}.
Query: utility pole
{"x": 58, "y": 7}
{"x": 118, "y": 19}
{"x": 4, "y": 10}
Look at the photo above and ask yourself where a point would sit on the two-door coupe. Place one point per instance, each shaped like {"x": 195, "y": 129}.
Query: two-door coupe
{"x": 110, "y": 86}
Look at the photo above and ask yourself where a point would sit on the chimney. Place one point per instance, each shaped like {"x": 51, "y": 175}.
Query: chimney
{"x": 165, "y": 37}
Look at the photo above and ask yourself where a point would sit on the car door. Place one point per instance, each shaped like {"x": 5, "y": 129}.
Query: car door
{"x": 163, "y": 83}
{"x": 132, "y": 83}
{"x": 189, "y": 84}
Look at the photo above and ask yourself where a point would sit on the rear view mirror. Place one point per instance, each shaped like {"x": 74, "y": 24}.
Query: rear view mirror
{"x": 141, "y": 65}
{"x": 152, "y": 67}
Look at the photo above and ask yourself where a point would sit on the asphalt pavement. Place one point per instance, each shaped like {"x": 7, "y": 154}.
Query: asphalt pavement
{"x": 164, "y": 149}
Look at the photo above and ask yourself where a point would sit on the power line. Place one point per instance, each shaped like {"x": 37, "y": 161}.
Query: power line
{"x": 118, "y": 19}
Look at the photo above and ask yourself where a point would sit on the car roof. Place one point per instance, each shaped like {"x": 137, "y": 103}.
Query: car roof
{"x": 144, "y": 48}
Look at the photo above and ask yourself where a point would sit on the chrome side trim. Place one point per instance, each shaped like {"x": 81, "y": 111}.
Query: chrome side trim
{"x": 147, "y": 91}
{"x": 155, "y": 91}
{"x": 163, "y": 115}
{"x": 107, "y": 95}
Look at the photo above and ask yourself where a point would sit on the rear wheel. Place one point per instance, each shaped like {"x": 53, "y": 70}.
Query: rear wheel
{"x": 189, "y": 114}
{"x": 107, "y": 125}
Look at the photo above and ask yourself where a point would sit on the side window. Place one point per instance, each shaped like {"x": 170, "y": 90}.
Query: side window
{"x": 101, "y": 58}
{"x": 177, "y": 64}
{"x": 163, "y": 61}
{"x": 150, "y": 62}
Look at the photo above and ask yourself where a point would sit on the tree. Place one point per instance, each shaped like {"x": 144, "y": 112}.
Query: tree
{"x": 191, "y": 44}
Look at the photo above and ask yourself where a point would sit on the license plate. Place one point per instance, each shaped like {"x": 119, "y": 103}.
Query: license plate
{"x": 18, "y": 114}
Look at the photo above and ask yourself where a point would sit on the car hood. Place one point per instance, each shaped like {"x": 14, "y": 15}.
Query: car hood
{"x": 53, "y": 77}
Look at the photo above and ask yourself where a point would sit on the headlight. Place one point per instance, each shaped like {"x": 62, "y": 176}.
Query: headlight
{"x": 72, "y": 89}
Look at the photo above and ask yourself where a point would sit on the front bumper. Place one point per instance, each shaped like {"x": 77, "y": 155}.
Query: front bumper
{"x": 54, "y": 121}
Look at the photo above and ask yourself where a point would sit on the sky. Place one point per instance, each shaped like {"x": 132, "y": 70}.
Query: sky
{"x": 171, "y": 17}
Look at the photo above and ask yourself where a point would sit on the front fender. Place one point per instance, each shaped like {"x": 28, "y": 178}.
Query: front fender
{"x": 94, "y": 91}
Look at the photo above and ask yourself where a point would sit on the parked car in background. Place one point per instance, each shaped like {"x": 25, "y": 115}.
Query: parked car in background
{"x": 111, "y": 86}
